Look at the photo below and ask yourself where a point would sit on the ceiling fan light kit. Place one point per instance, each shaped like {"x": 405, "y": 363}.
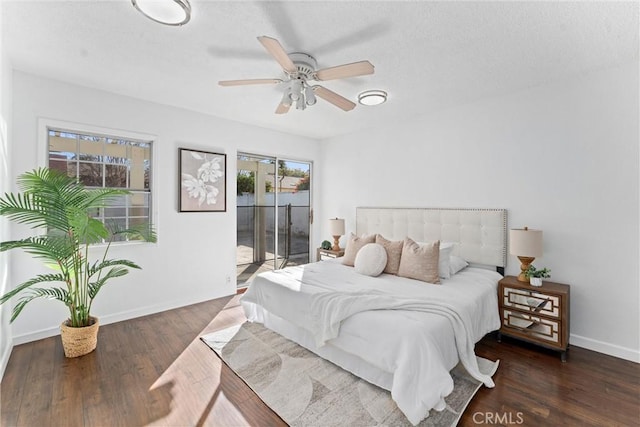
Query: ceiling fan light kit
{"x": 300, "y": 68}
{"x": 310, "y": 96}
{"x": 167, "y": 12}
{"x": 372, "y": 97}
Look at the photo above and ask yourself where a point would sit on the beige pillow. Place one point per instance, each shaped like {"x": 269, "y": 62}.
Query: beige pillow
{"x": 353, "y": 246}
{"x": 420, "y": 262}
{"x": 394, "y": 251}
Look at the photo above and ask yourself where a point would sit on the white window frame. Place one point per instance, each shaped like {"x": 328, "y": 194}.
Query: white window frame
{"x": 45, "y": 124}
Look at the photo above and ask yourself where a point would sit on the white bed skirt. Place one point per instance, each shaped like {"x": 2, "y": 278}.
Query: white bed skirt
{"x": 346, "y": 361}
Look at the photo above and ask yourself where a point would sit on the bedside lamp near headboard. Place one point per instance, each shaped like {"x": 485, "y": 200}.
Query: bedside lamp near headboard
{"x": 526, "y": 244}
{"x": 336, "y": 228}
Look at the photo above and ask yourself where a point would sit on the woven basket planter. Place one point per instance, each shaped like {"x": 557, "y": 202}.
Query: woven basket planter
{"x": 79, "y": 341}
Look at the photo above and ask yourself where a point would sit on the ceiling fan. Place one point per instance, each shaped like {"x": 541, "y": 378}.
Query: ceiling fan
{"x": 299, "y": 69}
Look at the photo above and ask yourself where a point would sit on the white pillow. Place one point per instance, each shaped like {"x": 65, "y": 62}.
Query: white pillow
{"x": 444, "y": 266}
{"x": 456, "y": 264}
{"x": 371, "y": 259}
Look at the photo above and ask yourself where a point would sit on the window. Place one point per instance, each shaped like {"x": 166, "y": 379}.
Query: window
{"x": 101, "y": 161}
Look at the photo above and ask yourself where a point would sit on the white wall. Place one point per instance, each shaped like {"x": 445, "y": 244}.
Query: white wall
{"x": 562, "y": 157}
{"x": 5, "y": 185}
{"x": 195, "y": 252}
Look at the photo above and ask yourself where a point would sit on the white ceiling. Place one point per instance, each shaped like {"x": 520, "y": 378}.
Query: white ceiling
{"x": 428, "y": 55}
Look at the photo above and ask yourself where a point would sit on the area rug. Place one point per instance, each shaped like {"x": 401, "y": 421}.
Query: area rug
{"x": 306, "y": 390}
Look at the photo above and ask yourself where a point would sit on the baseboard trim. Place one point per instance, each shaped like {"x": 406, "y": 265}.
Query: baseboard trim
{"x": 4, "y": 360}
{"x": 606, "y": 348}
{"x": 113, "y": 318}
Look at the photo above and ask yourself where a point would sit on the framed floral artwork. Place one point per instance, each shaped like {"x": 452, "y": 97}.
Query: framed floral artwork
{"x": 203, "y": 181}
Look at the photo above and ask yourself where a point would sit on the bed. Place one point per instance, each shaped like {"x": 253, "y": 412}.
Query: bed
{"x": 400, "y": 334}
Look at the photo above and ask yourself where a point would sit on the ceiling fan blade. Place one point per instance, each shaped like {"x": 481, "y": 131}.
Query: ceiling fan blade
{"x": 282, "y": 108}
{"x": 276, "y": 50}
{"x": 248, "y": 82}
{"x": 332, "y": 97}
{"x": 343, "y": 71}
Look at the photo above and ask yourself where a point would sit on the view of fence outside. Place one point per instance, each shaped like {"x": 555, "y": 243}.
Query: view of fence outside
{"x": 293, "y": 227}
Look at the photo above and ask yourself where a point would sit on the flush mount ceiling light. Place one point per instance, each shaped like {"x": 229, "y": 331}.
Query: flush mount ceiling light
{"x": 372, "y": 97}
{"x": 168, "y": 12}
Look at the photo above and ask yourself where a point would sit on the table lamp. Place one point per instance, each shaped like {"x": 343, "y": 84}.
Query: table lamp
{"x": 526, "y": 244}
{"x": 336, "y": 228}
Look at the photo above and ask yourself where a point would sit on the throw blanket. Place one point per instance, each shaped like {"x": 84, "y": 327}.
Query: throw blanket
{"x": 329, "y": 309}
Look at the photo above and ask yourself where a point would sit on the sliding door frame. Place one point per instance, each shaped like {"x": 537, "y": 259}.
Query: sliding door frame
{"x": 310, "y": 218}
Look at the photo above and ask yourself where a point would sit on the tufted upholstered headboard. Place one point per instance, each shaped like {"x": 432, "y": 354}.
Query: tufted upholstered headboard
{"x": 481, "y": 234}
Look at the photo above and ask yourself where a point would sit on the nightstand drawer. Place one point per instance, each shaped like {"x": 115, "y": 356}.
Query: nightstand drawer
{"x": 532, "y": 326}
{"x": 531, "y": 301}
{"x": 324, "y": 254}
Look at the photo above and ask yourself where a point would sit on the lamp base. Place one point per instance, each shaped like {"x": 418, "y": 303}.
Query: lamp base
{"x": 336, "y": 243}
{"x": 525, "y": 262}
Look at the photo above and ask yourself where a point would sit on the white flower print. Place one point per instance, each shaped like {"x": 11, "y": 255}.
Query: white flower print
{"x": 195, "y": 188}
{"x": 204, "y": 185}
{"x": 210, "y": 171}
{"x": 212, "y": 194}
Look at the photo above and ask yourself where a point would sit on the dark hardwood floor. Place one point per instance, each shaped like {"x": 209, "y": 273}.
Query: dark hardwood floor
{"x": 155, "y": 371}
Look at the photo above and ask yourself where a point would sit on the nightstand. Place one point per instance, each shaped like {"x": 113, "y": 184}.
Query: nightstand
{"x": 537, "y": 314}
{"x": 323, "y": 254}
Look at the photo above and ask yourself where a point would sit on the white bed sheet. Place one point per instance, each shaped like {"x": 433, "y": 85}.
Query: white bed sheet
{"x": 409, "y": 353}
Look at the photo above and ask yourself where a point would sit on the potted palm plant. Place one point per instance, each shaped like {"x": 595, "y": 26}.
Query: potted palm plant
{"x": 60, "y": 207}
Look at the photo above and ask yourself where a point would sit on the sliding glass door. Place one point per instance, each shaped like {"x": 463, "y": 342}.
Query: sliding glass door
{"x": 273, "y": 214}
{"x": 294, "y": 212}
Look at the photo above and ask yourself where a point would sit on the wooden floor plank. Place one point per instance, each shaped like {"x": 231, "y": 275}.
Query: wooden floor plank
{"x": 36, "y": 405}
{"x": 67, "y": 397}
{"x": 155, "y": 371}
{"x": 13, "y": 384}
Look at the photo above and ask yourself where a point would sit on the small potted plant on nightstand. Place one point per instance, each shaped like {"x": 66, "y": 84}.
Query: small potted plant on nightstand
{"x": 535, "y": 276}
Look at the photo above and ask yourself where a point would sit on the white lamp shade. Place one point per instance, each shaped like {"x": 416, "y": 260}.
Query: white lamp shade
{"x": 525, "y": 242}
{"x": 336, "y": 227}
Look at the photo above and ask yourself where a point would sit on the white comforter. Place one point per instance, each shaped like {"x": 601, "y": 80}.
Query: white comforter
{"x": 418, "y": 347}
